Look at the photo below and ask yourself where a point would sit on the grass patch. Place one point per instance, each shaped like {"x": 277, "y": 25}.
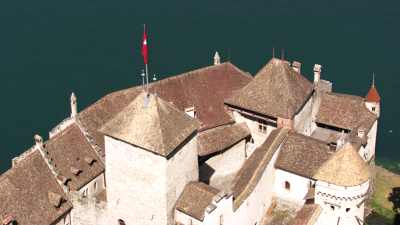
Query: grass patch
{"x": 384, "y": 183}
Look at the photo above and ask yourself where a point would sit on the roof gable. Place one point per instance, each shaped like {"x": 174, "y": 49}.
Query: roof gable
{"x": 277, "y": 90}
{"x": 151, "y": 123}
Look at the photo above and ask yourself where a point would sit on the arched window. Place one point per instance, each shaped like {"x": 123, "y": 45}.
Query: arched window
{"x": 287, "y": 185}
{"x": 121, "y": 222}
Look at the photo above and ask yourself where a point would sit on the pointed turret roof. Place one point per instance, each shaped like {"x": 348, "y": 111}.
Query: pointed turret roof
{"x": 344, "y": 168}
{"x": 373, "y": 95}
{"x": 151, "y": 123}
{"x": 277, "y": 90}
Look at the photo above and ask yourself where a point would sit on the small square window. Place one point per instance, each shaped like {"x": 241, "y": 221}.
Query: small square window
{"x": 262, "y": 128}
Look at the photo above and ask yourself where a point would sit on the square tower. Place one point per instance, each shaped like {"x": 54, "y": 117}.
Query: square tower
{"x": 151, "y": 154}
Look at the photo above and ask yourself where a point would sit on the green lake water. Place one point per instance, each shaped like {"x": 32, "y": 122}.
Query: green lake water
{"x": 50, "y": 48}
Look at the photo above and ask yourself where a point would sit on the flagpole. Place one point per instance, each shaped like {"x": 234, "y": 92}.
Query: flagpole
{"x": 147, "y": 77}
{"x": 147, "y": 67}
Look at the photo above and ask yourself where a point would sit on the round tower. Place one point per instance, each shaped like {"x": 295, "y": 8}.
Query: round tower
{"x": 341, "y": 188}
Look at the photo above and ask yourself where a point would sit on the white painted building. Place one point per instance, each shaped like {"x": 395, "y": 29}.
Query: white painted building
{"x": 214, "y": 146}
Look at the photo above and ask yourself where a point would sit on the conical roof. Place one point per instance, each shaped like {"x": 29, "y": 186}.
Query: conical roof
{"x": 277, "y": 90}
{"x": 344, "y": 168}
{"x": 373, "y": 95}
{"x": 151, "y": 123}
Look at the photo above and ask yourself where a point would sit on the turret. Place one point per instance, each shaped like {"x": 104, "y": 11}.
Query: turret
{"x": 74, "y": 106}
{"x": 217, "y": 59}
{"x": 373, "y": 99}
{"x": 341, "y": 188}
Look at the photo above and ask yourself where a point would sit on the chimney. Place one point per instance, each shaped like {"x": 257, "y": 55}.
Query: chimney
{"x": 341, "y": 141}
{"x": 317, "y": 73}
{"x": 74, "y": 106}
{"x": 217, "y": 59}
{"x": 296, "y": 66}
{"x": 38, "y": 141}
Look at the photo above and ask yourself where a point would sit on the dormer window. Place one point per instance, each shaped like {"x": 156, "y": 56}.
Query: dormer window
{"x": 76, "y": 171}
{"x": 8, "y": 220}
{"x": 191, "y": 111}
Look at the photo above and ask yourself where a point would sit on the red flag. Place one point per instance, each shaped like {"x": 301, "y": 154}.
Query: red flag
{"x": 144, "y": 47}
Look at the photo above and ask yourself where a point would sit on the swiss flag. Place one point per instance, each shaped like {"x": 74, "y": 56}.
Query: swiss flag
{"x": 144, "y": 47}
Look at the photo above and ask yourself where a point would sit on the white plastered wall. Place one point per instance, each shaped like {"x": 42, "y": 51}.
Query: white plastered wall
{"x": 182, "y": 168}
{"x": 299, "y": 186}
{"x": 258, "y": 136}
{"x": 94, "y": 187}
{"x": 136, "y": 184}
{"x": 367, "y": 152}
{"x": 250, "y": 212}
{"x": 225, "y": 165}
{"x": 302, "y": 121}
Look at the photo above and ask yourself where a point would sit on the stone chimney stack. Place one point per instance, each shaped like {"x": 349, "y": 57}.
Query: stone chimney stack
{"x": 38, "y": 141}
{"x": 74, "y": 106}
{"x": 317, "y": 73}
{"x": 217, "y": 59}
{"x": 341, "y": 141}
{"x": 296, "y": 66}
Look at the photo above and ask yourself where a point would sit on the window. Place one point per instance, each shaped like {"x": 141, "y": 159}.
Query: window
{"x": 287, "y": 185}
{"x": 221, "y": 220}
{"x": 347, "y": 209}
{"x": 373, "y": 109}
{"x": 262, "y": 128}
{"x": 95, "y": 186}
{"x": 121, "y": 222}
{"x": 85, "y": 193}
{"x": 251, "y": 141}
{"x": 332, "y": 207}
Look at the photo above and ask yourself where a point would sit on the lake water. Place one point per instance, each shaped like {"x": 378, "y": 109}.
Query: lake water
{"x": 50, "y": 48}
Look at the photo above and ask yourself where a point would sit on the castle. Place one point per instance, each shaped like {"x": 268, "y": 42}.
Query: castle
{"x": 213, "y": 146}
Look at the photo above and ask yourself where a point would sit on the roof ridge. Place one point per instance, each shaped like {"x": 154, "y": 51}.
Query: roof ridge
{"x": 159, "y": 122}
{"x": 191, "y": 72}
